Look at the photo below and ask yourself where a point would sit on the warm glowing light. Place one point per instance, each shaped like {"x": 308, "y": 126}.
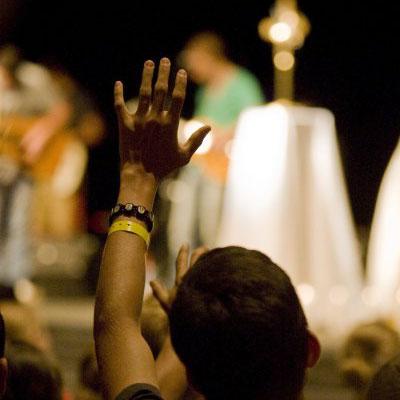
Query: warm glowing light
{"x": 190, "y": 127}
{"x": 47, "y": 254}
{"x": 259, "y": 156}
{"x": 280, "y": 32}
{"x": 176, "y": 190}
{"x": 369, "y": 296}
{"x": 24, "y": 291}
{"x": 291, "y": 17}
{"x": 306, "y": 293}
{"x": 256, "y": 172}
{"x": 284, "y": 60}
{"x": 263, "y": 29}
{"x": 228, "y": 148}
{"x": 339, "y": 295}
{"x": 384, "y": 249}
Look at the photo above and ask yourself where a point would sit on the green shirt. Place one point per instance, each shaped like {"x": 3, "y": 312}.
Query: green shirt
{"x": 224, "y": 106}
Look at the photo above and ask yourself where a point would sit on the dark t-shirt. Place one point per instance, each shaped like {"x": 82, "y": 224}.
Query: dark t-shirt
{"x": 140, "y": 391}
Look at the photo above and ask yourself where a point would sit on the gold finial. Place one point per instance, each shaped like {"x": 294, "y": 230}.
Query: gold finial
{"x": 286, "y": 29}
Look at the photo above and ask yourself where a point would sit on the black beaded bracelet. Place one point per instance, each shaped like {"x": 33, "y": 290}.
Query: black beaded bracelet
{"x": 132, "y": 210}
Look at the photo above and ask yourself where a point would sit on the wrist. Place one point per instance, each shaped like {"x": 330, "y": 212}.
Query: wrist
{"x": 137, "y": 186}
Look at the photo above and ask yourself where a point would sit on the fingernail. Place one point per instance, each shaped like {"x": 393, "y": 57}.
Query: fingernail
{"x": 149, "y": 63}
{"x": 182, "y": 72}
{"x": 165, "y": 61}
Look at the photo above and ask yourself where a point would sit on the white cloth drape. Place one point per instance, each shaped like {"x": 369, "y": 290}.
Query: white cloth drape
{"x": 286, "y": 196}
{"x": 383, "y": 259}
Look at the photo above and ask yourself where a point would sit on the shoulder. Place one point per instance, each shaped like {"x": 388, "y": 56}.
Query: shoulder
{"x": 140, "y": 391}
{"x": 244, "y": 75}
{"x": 248, "y": 86}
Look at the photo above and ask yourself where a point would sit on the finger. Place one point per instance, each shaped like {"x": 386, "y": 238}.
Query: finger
{"x": 195, "y": 141}
{"x": 161, "y": 294}
{"x": 178, "y": 95}
{"x": 161, "y": 87}
{"x": 145, "y": 88}
{"x": 182, "y": 264}
{"x": 119, "y": 102}
{"x": 196, "y": 254}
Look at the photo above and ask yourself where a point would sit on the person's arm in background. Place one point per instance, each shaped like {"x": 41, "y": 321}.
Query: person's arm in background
{"x": 55, "y": 109}
{"x": 43, "y": 130}
{"x": 171, "y": 373}
{"x": 149, "y": 151}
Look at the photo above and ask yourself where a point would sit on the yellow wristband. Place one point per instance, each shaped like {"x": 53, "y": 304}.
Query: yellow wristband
{"x": 132, "y": 227}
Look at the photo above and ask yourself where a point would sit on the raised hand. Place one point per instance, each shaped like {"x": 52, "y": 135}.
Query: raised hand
{"x": 166, "y": 296}
{"x": 148, "y": 138}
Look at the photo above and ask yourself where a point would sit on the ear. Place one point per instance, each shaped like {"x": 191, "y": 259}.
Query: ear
{"x": 314, "y": 350}
{"x": 3, "y": 375}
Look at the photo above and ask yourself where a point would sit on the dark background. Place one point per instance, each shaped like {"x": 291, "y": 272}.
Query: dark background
{"x": 349, "y": 64}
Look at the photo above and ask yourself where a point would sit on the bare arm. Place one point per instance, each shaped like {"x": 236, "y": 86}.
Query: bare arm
{"x": 149, "y": 150}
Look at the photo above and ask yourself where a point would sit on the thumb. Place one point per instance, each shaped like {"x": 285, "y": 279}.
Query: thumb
{"x": 195, "y": 141}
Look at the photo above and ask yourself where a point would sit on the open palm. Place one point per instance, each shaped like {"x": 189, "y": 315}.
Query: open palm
{"x": 149, "y": 136}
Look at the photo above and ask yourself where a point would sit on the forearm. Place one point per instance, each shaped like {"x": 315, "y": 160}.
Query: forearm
{"x": 122, "y": 273}
{"x": 119, "y": 300}
{"x": 171, "y": 373}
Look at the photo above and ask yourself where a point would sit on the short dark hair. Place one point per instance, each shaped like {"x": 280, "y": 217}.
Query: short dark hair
{"x": 238, "y": 326}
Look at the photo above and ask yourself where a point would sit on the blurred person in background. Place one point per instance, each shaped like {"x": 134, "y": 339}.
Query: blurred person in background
{"x": 32, "y": 112}
{"x": 25, "y": 325}
{"x": 60, "y": 207}
{"x": 367, "y": 348}
{"x": 32, "y": 374}
{"x": 385, "y": 385}
{"x": 224, "y": 91}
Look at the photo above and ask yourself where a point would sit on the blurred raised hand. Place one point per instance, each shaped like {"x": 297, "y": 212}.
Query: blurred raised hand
{"x": 184, "y": 262}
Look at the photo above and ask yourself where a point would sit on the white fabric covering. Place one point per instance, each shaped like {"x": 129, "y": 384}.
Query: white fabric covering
{"x": 286, "y": 196}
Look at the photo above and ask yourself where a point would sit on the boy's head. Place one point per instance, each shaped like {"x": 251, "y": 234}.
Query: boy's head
{"x": 238, "y": 326}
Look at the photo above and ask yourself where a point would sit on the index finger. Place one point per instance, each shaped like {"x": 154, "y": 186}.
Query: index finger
{"x": 196, "y": 254}
{"x": 182, "y": 263}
